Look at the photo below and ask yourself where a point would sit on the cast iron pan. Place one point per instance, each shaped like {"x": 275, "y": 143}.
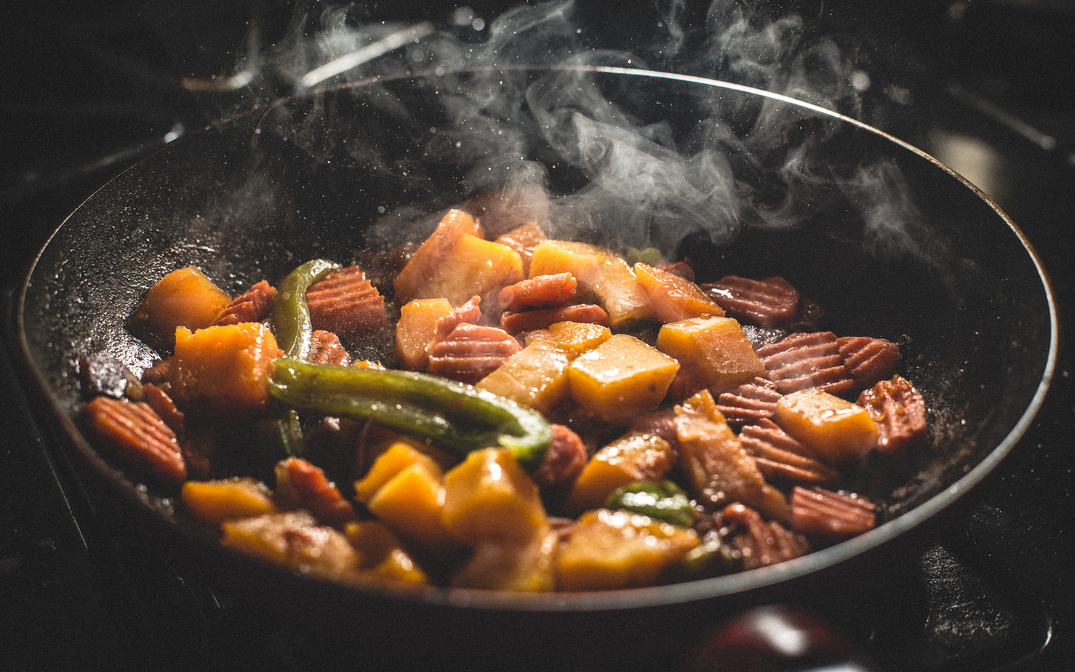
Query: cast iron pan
{"x": 890, "y": 242}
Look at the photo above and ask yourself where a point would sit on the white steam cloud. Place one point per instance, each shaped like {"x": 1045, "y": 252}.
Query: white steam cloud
{"x": 743, "y": 161}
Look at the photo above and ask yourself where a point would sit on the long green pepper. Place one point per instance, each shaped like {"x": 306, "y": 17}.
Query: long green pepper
{"x": 289, "y": 314}
{"x": 453, "y": 415}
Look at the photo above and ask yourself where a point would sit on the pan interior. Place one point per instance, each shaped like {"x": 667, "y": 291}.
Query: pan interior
{"x": 888, "y": 241}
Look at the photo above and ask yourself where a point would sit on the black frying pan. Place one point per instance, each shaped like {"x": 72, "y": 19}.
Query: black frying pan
{"x": 892, "y": 243}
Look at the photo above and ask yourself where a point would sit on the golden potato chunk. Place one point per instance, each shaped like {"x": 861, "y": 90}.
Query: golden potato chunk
{"x": 510, "y": 564}
{"x": 488, "y": 496}
{"x": 223, "y": 369}
{"x": 608, "y": 550}
{"x": 575, "y": 338}
{"x": 716, "y": 346}
{"x": 718, "y": 469}
{"x": 599, "y": 270}
{"x": 183, "y": 298}
{"x": 416, "y": 327}
{"x": 381, "y": 554}
{"x": 213, "y": 502}
{"x": 535, "y": 377}
{"x": 675, "y": 298}
{"x": 456, "y": 263}
{"x": 293, "y": 539}
{"x": 634, "y": 457}
{"x": 621, "y": 378}
{"x": 837, "y": 430}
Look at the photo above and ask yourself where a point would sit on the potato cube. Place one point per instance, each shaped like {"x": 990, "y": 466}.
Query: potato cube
{"x": 223, "y": 369}
{"x": 381, "y": 554}
{"x": 515, "y": 565}
{"x": 621, "y": 378}
{"x": 415, "y": 329}
{"x": 574, "y": 338}
{"x": 410, "y": 503}
{"x": 609, "y": 550}
{"x": 633, "y": 457}
{"x": 535, "y": 377}
{"x": 295, "y": 540}
{"x": 716, "y": 347}
{"x": 488, "y": 496}
{"x": 213, "y": 502}
{"x": 675, "y": 298}
{"x": 457, "y": 265}
{"x": 183, "y": 298}
{"x": 395, "y": 458}
{"x": 718, "y": 468}
{"x": 598, "y": 270}
{"x": 837, "y": 430}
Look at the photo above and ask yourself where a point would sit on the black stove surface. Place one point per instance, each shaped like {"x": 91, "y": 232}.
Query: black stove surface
{"x": 87, "y": 92}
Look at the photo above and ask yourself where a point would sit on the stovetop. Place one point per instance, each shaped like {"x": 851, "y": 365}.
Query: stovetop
{"x": 87, "y": 93}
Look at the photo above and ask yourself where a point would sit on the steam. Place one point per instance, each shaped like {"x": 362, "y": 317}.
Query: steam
{"x": 746, "y": 161}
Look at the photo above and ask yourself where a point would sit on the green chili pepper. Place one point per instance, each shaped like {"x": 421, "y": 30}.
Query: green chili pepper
{"x": 455, "y": 416}
{"x": 289, "y": 314}
{"x": 663, "y": 500}
{"x": 281, "y": 437}
{"x": 710, "y": 558}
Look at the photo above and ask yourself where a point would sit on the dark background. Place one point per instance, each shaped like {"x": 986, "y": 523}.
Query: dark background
{"x": 86, "y": 90}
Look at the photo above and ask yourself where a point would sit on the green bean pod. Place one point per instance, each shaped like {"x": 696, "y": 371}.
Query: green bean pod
{"x": 663, "y": 500}
{"x": 455, "y": 416}
{"x": 289, "y": 314}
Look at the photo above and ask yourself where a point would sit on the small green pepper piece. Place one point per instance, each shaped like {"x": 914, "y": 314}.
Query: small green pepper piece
{"x": 663, "y": 500}
{"x": 455, "y": 416}
{"x": 289, "y": 314}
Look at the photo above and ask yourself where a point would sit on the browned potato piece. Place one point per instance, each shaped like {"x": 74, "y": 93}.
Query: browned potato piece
{"x": 599, "y": 270}
{"x": 621, "y": 378}
{"x": 223, "y": 369}
{"x": 213, "y": 502}
{"x": 609, "y": 550}
{"x": 633, "y": 457}
{"x": 183, "y": 298}
{"x": 717, "y": 467}
{"x": 456, "y": 263}
{"x": 488, "y": 496}
{"x": 716, "y": 346}
{"x": 837, "y": 430}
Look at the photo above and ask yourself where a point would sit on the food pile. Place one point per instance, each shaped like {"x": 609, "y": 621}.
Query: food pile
{"x": 548, "y": 415}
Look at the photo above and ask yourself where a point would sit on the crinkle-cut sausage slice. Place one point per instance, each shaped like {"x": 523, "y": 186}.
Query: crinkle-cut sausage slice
{"x": 164, "y": 407}
{"x": 824, "y": 513}
{"x": 325, "y": 348}
{"x": 307, "y": 485}
{"x": 252, "y": 306}
{"x": 346, "y": 303}
{"x": 770, "y": 302}
{"x": 869, "y": 360}
{"x": 898, "y": 410}
{"x": 805, "y": 360}
{"x": 137, "y": 436}
{"x": 543, "y": 291}
{"x": 564, "y": 459}
{"x": 749, "y": 403}
{"x": 469, "y": 313}
{"x": 471, "y": 352}
{"x": 763, "y": 544}
{"x": 782, "y": 458}
{"x": 530, "y": 320}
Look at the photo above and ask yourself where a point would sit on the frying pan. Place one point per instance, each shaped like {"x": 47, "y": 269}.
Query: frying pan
{"x": 889, "y": 241}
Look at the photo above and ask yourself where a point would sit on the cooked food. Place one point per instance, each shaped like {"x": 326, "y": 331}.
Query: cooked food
{"x": 541, "y": 415}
